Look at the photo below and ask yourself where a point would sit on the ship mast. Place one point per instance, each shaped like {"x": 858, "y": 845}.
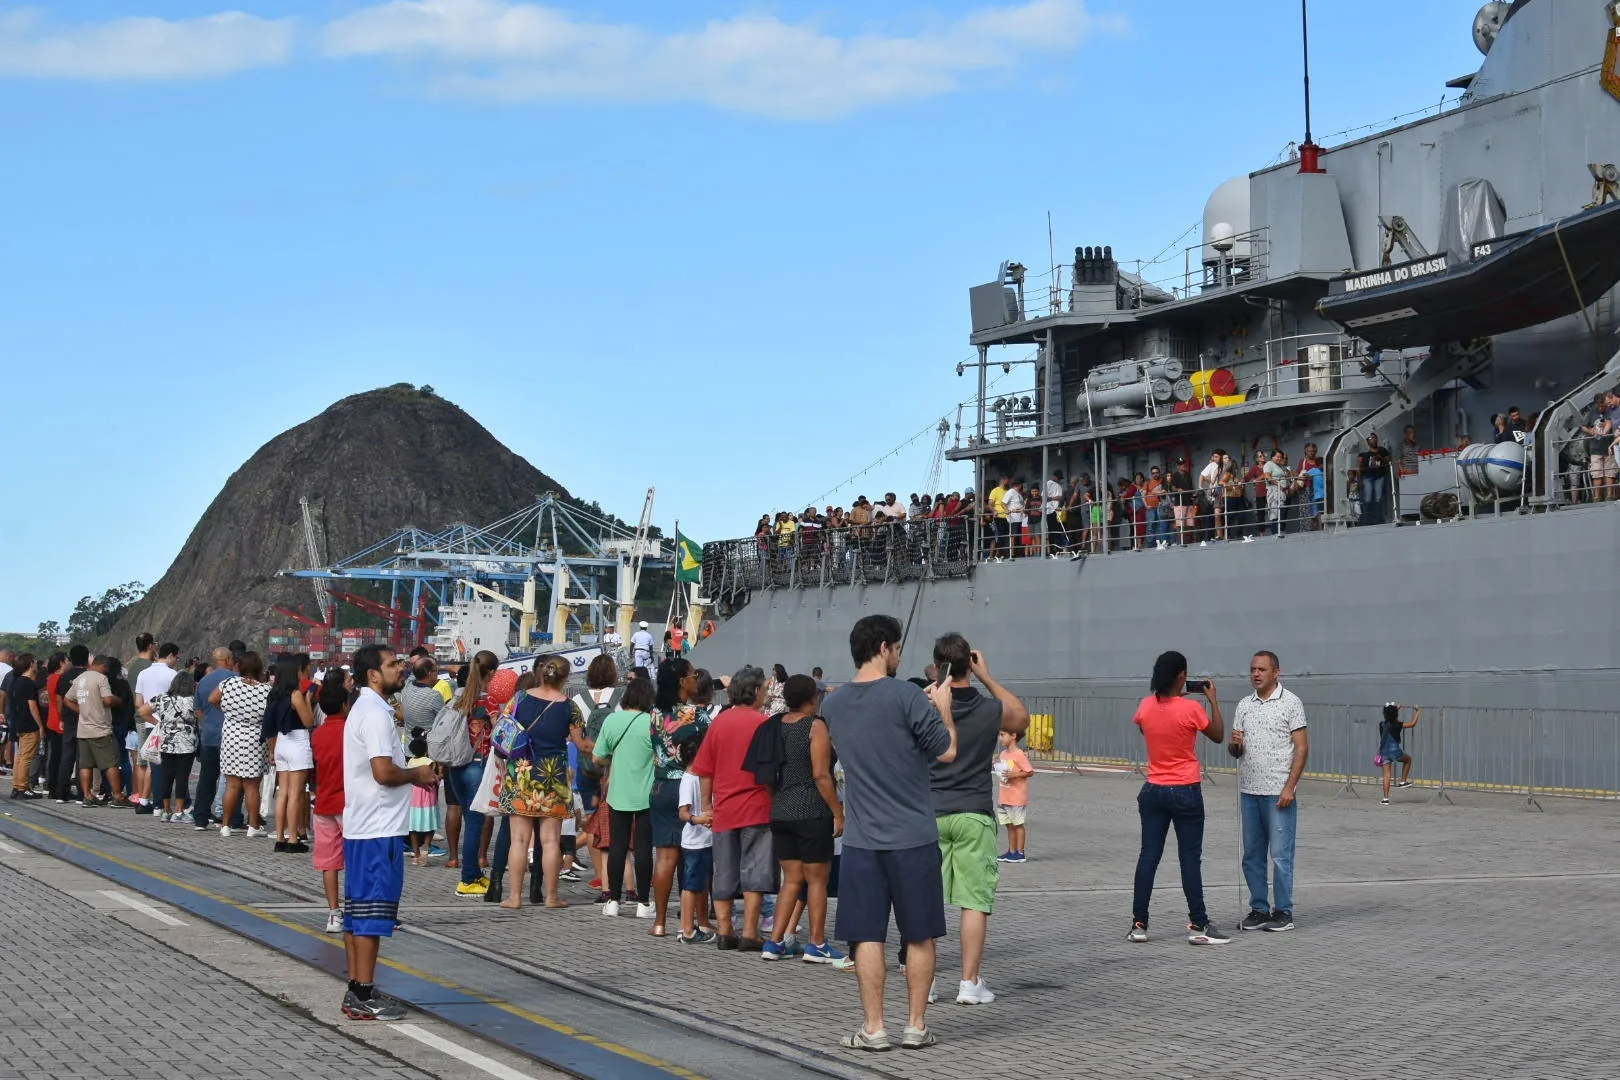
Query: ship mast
{"x": 1309, "y": 152}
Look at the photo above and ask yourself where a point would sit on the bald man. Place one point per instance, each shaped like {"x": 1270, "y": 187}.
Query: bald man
{"x": 221, "y": 667}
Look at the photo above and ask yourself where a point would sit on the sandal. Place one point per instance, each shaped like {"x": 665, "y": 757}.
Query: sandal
{"x": 554, "y": 904}
{"x": 658, "y": 931}
{"x": 876, "y": 1043}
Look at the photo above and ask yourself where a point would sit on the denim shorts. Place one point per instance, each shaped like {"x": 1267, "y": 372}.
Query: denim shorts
{"x": 697, "y": 868}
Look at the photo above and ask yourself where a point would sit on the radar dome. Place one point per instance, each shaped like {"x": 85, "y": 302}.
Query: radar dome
{"x": 1488, "y": 23}
{"x": 1227, "y": 213}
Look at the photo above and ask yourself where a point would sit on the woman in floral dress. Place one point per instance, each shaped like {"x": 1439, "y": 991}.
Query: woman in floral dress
{"x": 537, "y": 786}
{"x": 676, "y": 717}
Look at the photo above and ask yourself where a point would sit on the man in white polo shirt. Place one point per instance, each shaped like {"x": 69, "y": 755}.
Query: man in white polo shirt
{"x": 1268, "y": 734}
{"x": 376, "y": 818}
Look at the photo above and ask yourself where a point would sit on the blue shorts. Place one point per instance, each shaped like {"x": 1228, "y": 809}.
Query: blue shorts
{"x": 873, "y": 883}
{"x": 1392, "y": 753}
{"x": 697, "y": 867}
{"x": 374, "y": 880}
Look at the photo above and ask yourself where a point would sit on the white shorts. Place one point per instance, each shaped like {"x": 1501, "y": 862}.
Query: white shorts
{"x": 1011, "y": 815}
{"x": 293, "y": 753}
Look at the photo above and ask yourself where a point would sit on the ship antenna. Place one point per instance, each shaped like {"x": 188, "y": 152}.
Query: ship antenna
{"x": 1309, "y": 152}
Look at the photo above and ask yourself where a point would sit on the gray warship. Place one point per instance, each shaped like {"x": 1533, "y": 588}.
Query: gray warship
{"x": 1433, "y": 275}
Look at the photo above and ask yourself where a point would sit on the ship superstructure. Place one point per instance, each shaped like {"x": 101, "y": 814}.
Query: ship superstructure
{"x": 1433, "y": 275}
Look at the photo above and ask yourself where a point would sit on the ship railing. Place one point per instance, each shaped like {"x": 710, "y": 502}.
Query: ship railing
{"x": 1582, "y": 474}
{"x": 1535, "y": 753}
{"x": 1206, "y": 270}
{"x": 881, "y": 553}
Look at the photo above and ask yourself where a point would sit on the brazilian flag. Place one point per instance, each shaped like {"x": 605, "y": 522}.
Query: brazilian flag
{"x": 688, "y": 559}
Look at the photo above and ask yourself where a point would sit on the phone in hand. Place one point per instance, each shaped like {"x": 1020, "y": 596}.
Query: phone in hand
{"x": 1197, "y": 686}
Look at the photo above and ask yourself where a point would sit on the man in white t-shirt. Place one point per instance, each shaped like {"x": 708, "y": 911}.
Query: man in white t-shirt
{"x": 1051, "y": 502}
{"x": 376, "y": 818}
{"x": 154, "y": 680}
{"x": 1013, "y": 500}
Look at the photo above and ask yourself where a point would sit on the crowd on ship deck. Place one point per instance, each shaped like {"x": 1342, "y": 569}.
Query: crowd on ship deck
{"x": 1161, "y": 506}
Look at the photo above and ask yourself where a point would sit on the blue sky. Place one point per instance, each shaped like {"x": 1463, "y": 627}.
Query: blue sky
{"x": 719, "y": 249}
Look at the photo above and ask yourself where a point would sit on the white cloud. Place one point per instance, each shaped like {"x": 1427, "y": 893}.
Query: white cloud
{"x": 141, "y": 48}
{"x": 751, "y": 63}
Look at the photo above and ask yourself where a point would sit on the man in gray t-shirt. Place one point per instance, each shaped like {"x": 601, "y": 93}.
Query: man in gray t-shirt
{"x": 887, "y": 732}
{"x": 420, "y": 700}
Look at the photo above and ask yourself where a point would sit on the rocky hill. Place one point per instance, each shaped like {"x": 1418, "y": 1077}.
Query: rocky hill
{"x": 370, "y": 464}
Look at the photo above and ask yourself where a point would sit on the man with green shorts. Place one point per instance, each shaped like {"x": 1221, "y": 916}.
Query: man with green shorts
{"x": 964, "y": 803}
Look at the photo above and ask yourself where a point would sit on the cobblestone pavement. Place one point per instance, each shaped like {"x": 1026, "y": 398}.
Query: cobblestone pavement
{"x": 76, "y": 1000}
{"x": 1436, "y": 941}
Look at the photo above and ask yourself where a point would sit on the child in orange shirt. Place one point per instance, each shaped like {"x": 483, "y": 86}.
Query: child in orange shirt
{"x": 1012, "y": 768}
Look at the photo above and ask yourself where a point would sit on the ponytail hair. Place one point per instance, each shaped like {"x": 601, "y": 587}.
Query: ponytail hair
{"x": 1166, "y": 669}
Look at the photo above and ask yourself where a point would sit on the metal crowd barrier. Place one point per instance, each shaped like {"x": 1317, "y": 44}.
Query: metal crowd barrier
{"x": 1536, "y": 753}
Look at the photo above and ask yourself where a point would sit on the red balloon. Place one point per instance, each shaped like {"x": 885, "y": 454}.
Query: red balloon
{"x": 502, "y": 686}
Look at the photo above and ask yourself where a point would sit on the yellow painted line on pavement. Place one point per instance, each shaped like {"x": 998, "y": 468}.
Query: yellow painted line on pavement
{"x": 404, "y": 969}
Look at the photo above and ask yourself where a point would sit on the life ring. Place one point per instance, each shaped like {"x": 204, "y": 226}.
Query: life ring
{"x": 708, "y": 628}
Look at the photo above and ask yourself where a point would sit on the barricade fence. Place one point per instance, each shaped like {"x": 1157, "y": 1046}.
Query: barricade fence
{"x": 1530, "y": 752}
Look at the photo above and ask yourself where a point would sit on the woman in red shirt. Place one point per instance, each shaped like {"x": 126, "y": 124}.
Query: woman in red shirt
{"x": 1173, "y": 793}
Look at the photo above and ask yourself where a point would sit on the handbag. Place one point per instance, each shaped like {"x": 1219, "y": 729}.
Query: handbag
{"x": 152, "y": 747}
{"x": 487, "y": 800}
{"x": 504, "y": 739}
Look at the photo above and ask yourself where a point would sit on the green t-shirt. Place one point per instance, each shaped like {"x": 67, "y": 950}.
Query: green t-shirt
{"x": 626, "y": 741}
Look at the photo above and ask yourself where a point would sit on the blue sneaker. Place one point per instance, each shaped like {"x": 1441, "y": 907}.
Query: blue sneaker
{"x": 823, "y": 954}
{"x": 1006, "y": 856}
{"x": 770, "y": 950}
{"x": 1018, "y": 857}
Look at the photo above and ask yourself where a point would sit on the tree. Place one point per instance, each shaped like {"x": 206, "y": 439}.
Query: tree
{"x": 49, "y": 630}
{"x": 93, "y": 616}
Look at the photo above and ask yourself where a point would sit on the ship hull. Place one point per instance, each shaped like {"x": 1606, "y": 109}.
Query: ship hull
{"x": 1512, "y": 612}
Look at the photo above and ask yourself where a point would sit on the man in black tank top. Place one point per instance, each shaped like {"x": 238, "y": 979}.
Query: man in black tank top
{"x": 964, "y": 802}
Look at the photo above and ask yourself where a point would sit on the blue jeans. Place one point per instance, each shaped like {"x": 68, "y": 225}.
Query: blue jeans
{"x": 1158, "y": 523}
{"x": 1161, "y": 806}
{"x": 500, "y": 846}
{"x": 1268, "y": 830}
{"x": 1373, "y": 490}
{"x": 465, "y": 780}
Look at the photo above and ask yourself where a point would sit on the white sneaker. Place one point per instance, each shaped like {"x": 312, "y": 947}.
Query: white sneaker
{"x": 611, "y": 909}
{"x": 334, "y": 923}
{"x": 225, "y": 831}
{"x": 933, "y": 991}
{"x": 973, "y": 993}
{"x": 645, "y": 911}
{"x": 1203, "y": 543}
{"x": 252, "y": 832}
{"x": 1248, "y": 539}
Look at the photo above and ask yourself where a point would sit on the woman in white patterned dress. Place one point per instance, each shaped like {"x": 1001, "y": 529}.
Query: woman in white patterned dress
{"x": 242, "y": 759}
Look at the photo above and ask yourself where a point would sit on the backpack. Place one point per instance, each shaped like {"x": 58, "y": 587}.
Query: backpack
{"x": 594, "y": 715}
{"x": 447, "y": 740}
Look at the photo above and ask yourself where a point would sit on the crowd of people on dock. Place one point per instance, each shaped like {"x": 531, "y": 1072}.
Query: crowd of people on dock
{"x": 734, "y": 807}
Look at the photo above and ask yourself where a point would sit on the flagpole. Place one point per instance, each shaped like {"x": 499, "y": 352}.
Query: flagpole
{"x": 675, "y": 605}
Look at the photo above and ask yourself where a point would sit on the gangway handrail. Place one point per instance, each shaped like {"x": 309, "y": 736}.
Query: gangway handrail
{"x": 1544, "y": 467}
